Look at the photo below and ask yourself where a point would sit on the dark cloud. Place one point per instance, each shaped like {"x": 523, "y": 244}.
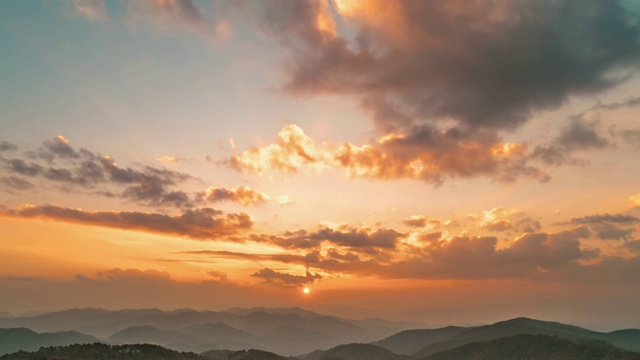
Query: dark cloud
{"x": 201, "y": 224}
{"x": 15, "y": 183}
{"x": 633, "y": 245}
{"x": 489, "y": 64}
{"x": 465, "y": 257}
{"x": 60, "y": 147}
{"x": 7, "y": 146}
{"x": 286, "y": 279}
{"x": 361, "y": 240}
{"x": 70, "y": 168}
{"x": 451, "y": 77}
{"x": 578, "y": 135}
{"x": 581, "y": 135}
{"x": 610, "y": 218}
{"x": 21, "y": 167}
{"x": 608, "y": 226}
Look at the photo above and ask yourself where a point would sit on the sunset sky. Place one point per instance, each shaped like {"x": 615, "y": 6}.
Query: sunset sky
{"x": 450, "y": 162}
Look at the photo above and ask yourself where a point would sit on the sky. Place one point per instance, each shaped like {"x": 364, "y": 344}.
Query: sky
{"x": 448, "y": 162}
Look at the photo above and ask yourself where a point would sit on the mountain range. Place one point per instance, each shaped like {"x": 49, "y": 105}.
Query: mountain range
{"x": 267, "y": 332}
{"x": 289, "y": 331}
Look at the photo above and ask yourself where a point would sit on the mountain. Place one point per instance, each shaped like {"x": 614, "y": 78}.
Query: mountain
{"x": 12, "y": 340}
{"x": 150, "y": 335}
{"x": 409, "y": 341}
{"x": 219, "y": 333}
{"x": 288, "y": 331}
{"x": 6, "y": 315}
{"x": 251, "y": 354}
{"x": 430, "y": 341}
{"x": 535, "y": 347}
{"x": 354, "y": 352}
{"x": 99, "y": 351}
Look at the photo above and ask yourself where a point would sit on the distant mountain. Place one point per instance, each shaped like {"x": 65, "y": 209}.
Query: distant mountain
{"x": 535, "y": 347}
{"x": 288, "y": 331}
{"x": 5, "y": 315}
{"x": 354, "y": 352}
{"x": 150, "y": 335}
{"x": 447, "y": 339}
{"x": 99, "y": 351}
{"x": 218, "y": 333}
{"x": 251, "y": 354}
{"x": 409, "y": 341}
{"x": 12, "y": 340}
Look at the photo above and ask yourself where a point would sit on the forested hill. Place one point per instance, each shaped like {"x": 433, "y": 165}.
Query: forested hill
{"x": 535, "y": 347}
{"x": 98, "y": 351}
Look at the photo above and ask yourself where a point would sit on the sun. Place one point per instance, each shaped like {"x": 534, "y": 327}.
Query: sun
{"x": 306, "y": 290}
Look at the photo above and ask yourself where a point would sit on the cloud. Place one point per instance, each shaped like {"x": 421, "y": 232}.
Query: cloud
{"x": 57, "y": 161}
{"x": 241, "y": 194}
{"x": 310, "y": 257}
{"x": 219, "y": 275}
{"x": 91, "y": 9}
{"x": 427, "y": 154}
{"x": 489, "y": 64}
{"x": 501, "y": 219}
{"x": 286, "y": 279}
{"x": 133, "y": 275}
{"x": 578, "y": 135}
{"x": 7, "y": 146}
{"x": 608, "y": 226}
{"x": 420, "y": 221}
{"x": 449, "y": 78}
{"x": 15, "y": 183}
{"x": 200, "y": 224}
{"x": 633, "y": 245}
{"x": 531, "y": 256}
{"x": 292, "y": 150}
{"x": 356, "y": 239}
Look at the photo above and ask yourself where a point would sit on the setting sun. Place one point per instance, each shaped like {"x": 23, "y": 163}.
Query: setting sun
{"x": 306, "y": 290}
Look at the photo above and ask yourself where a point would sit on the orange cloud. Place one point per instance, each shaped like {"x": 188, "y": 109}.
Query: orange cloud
{"x": 240, "y": 194}
{"x": 202, "y": 224}
{"x": 430, "y": 155}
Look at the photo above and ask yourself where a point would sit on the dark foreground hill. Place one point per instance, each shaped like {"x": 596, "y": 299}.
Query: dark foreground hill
{"x": 251, "y": 354}
{"x": 354, "y": 352}
{"x": 535, "y": 347}
{"x": 12, "y": 340}
{"x": 431, "y": 341}
{"x": 98, "y": 351}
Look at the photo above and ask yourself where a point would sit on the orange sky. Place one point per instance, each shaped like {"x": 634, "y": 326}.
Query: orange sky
{"x": 471, "y": 162}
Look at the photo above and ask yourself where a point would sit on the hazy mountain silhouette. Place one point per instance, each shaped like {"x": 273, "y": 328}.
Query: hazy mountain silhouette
{"x": 432, "y": 341}
{"x": 535, "y": 347}
{"x": 288, "y": 331}
{"x": 15, "y": 339}
{"x": 4, "y": 315}
{"x": 277, "y": 331}
{"x": 354, "y": 352}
